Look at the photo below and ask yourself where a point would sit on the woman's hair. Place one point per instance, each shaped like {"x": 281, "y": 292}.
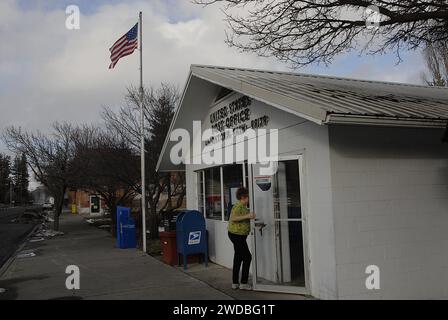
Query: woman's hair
{"x": 241, "y": 193}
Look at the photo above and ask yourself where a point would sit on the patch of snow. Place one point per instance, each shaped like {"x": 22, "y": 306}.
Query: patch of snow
{"x": 26, "y": 255}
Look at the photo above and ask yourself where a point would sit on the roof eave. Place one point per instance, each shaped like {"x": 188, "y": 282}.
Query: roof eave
{"x": 167, "y": 138}
{"x": 385, "y": 121}
{"x": 309, "y": 112}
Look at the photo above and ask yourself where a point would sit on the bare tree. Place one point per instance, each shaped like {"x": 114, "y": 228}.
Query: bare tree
{"x": 436, "y": 58}
{"x": 159, "y": 110}
{"x": 303, "y": 32}
{"x": 50, "y": 158}
{"x": 109, "y": 169}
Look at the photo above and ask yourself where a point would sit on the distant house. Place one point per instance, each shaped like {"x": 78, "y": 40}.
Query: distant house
{"x": 92, "y": 204}
{"x": 86, "y": 203}
{"x": 41, "y": 195}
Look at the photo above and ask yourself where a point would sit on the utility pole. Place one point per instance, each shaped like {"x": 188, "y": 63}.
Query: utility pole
{"x": 10, "y": 193}
{"x": 19, "y": 178}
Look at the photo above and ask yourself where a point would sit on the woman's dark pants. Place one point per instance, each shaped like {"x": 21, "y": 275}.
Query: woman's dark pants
{"x": 242, "y": 256}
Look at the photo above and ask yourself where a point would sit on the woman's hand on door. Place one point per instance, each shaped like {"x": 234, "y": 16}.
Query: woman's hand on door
{"x": 251, "y": 216}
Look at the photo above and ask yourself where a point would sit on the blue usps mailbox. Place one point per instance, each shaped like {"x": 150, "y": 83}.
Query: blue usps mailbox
{"x": 191, "y": 235}
{"x": 126, "y": 237}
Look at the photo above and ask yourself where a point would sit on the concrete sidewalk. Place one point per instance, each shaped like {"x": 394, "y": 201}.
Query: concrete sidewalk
{"x": 220, "y": 277}
{"x": 106, "y": 272}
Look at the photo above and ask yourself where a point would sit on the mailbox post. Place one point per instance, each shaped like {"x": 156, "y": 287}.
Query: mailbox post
{"x": 191, "y": 235}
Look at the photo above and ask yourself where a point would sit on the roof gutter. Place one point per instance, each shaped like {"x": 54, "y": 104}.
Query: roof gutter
{"x": 346, "y": 119}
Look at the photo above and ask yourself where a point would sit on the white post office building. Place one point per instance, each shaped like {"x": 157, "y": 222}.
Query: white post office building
{"x": 358, "y": 206}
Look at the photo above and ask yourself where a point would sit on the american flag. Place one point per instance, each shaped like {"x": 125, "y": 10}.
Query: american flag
{"x": 124, "y": 46}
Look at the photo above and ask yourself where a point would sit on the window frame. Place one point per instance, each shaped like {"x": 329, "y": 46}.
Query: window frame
{"x": 201, "y": 173}
{"x": 200, "y": 179}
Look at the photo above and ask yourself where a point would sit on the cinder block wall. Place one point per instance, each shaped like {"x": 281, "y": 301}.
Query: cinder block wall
{"x": 390, "y": 199}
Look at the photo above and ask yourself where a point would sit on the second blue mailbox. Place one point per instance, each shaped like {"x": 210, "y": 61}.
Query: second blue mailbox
{"x": 191, "y": 235}
{"x": 125, "y": 229}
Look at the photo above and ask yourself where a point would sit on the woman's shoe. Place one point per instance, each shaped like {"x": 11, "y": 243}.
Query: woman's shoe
{"x": 245, "y": 286}
{"x": 235, "y": 286}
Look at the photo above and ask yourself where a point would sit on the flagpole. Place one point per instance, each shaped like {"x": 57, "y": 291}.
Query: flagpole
{"x": 142, "y": 129}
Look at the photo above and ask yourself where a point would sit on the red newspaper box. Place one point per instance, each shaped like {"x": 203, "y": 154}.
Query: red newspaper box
{"x": 169, "y": 248}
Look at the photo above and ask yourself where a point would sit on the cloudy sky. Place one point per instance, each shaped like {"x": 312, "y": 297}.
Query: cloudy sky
{"x": 49, "y": 73}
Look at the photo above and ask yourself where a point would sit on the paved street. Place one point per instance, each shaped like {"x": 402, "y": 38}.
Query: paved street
{"x": 11, "y": 234}
{"x": 7, "y": 214}
{"x": 106, "y": 272}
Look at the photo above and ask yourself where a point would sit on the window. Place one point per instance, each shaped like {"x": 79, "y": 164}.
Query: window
{"x": 246, "y": 175}
{"x": 213, "y": 208}
{"x": 200, "y": 176}
{"x": 210, "y": 194}
{"x": 233, "y": 179}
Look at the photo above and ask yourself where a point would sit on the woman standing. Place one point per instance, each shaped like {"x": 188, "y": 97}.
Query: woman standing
{"x": 239, "y": 229}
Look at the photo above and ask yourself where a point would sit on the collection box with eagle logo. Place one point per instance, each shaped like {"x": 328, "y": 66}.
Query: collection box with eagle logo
{"x": 191, "y": 235}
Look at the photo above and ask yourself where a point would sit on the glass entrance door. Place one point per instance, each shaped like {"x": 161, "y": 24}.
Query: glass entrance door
{"x": 278, "y": 237}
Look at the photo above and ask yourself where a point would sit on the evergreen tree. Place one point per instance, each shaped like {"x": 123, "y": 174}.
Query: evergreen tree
{"x": 5, "y": 178}
{"x": 20, "y": 177}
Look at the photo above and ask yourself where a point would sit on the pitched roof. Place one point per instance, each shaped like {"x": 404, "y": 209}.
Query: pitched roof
{"x": 327, "y": 100}
{"x": 320, "y": 99}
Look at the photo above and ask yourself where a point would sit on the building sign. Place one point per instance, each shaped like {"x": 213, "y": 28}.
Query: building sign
{"x": 235, "y": 118}
{"x": 232, "y": 116}
{"x": 194, "y": 238}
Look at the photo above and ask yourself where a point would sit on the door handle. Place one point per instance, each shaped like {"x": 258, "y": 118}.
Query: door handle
{"x": 260, "y": 226}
